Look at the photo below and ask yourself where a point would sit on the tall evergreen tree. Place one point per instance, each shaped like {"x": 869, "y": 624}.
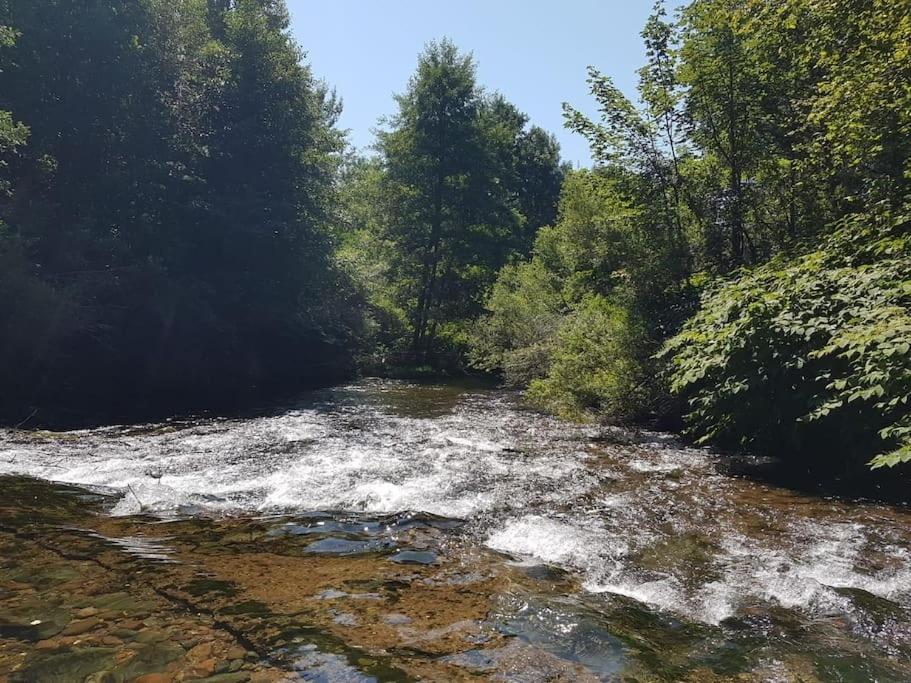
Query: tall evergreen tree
{"x": 465, "y": 185}
{"x": 174, "y": 205}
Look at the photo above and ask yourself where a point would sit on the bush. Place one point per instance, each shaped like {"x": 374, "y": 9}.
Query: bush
{"x": 598, "y": 366}
{"x": 525, "y": 311}
{"x": 808, "y": 354}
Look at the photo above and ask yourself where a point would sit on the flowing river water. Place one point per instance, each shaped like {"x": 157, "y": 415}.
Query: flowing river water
{"x": 396, "y": 531}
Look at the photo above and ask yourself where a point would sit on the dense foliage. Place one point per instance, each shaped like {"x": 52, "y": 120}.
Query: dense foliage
{"x": 460, "y": 184}
{"x": 166, "y": 228}
{"x": 564, "y": 322}
{"x": 809, "y": 353}
{"x": 768, "y": 164}
{"x": 179, "y": 217}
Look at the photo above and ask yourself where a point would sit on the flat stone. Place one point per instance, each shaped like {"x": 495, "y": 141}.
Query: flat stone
{"x": 239, "y": 677}
{"x": 67, "y": 665}
{"x": 330, "y": 594}
{"x": 152, "y": 658}
{"x": 80, "y": 626}
{"x": 200, "y": 652}
{"x": 150, "y": 635}
{"x": 155, "y": 678}
{"x": 414, "y": 557}
{"x": 86, "y": 612}
{"x": 236, "y": 652}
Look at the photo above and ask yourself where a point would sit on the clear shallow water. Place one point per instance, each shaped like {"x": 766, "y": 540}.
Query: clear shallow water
{"x": 634, "y": 516}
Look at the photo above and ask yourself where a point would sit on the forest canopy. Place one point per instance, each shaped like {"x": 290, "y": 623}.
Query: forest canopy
{"x": 169, "y": 202}
{"x": 181, "y": 220}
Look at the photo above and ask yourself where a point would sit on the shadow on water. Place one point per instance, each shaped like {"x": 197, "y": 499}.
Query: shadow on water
{"x": 816, "y": 476}
{"x": 856, "y": 484}
{"x": 418, "y": 398}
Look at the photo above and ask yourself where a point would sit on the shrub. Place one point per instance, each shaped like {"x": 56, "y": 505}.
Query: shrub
{"x": 597, "y": 365}
{"x": 807, "y": 352}
{"x": 516, "y": 336}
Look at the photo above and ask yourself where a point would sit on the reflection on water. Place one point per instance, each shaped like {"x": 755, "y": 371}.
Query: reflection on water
{"x": 628, "y": 556}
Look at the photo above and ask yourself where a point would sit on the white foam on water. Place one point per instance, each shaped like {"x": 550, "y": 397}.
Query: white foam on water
{"x": 555, "y": 542}
{"x": 530, "y": 487}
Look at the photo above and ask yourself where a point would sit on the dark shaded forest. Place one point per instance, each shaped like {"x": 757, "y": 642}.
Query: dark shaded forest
{"x": 182, "y": 224}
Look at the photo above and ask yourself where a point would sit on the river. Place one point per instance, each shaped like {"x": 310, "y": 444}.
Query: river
{"x": 501, "y": 544}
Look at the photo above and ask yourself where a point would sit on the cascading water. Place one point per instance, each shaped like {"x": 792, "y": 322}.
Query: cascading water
{"x": 640, "y": 517}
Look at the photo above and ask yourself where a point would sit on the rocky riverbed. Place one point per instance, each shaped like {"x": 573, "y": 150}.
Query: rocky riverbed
{"x": 394, "y": 532}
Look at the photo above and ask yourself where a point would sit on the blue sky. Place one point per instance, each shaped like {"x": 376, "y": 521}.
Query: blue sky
{"x": 535, "y": 52}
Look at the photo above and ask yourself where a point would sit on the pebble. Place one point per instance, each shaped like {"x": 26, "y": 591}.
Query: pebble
{"x": 200, "y": 652}
{"x": 151, "y": 636}
{"x": 205, "y": 667}
{"x": 242, "y": 677}
{"x": 236, "y": 652}
{"x": 77, "y": 628}
{"x": 155, "y": 678}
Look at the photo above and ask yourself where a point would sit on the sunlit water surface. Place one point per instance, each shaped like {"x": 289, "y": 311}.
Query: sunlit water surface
{"x": 638, "y": 516}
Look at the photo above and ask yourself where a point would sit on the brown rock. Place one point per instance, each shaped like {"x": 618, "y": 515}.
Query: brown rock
{"x": 200, "y": 652}
{"x": 262, "y": 677}
{"x": 45, "y": 645}
{"x": 236, "y": 652}
{"x": 205, "y": 667}
{"x": 80, "y": 626}
{"x": 154, "y": 678}
{"x": 86, "y": 612}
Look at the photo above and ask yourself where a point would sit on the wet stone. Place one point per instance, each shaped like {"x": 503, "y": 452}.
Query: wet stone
{"x": 33, "y": 622}
{"x": 237, "y": 677}
{"x": 236, "y": 652}
{"x": 77, "y": 628}
{"x": 341, "y": 546}
{"x": 105, "y": 677}
{"x": 200, "y": 652}
{"x": 73, "y": 664}
{"x": 205, "y": 667}
{"x": 152, "y": 658}
{"x": 119, "y": 602}
{"x": 414, "y": 557}
{"x": 331, "y": 594}
{"x": 154, "y": 678}
{"x": 151, "y": 636}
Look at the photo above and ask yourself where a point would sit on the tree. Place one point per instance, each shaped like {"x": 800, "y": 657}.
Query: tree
{"x": 466, "y": 186}
{"x": 723, "y": 110}
{"x": 178, "y": 190}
